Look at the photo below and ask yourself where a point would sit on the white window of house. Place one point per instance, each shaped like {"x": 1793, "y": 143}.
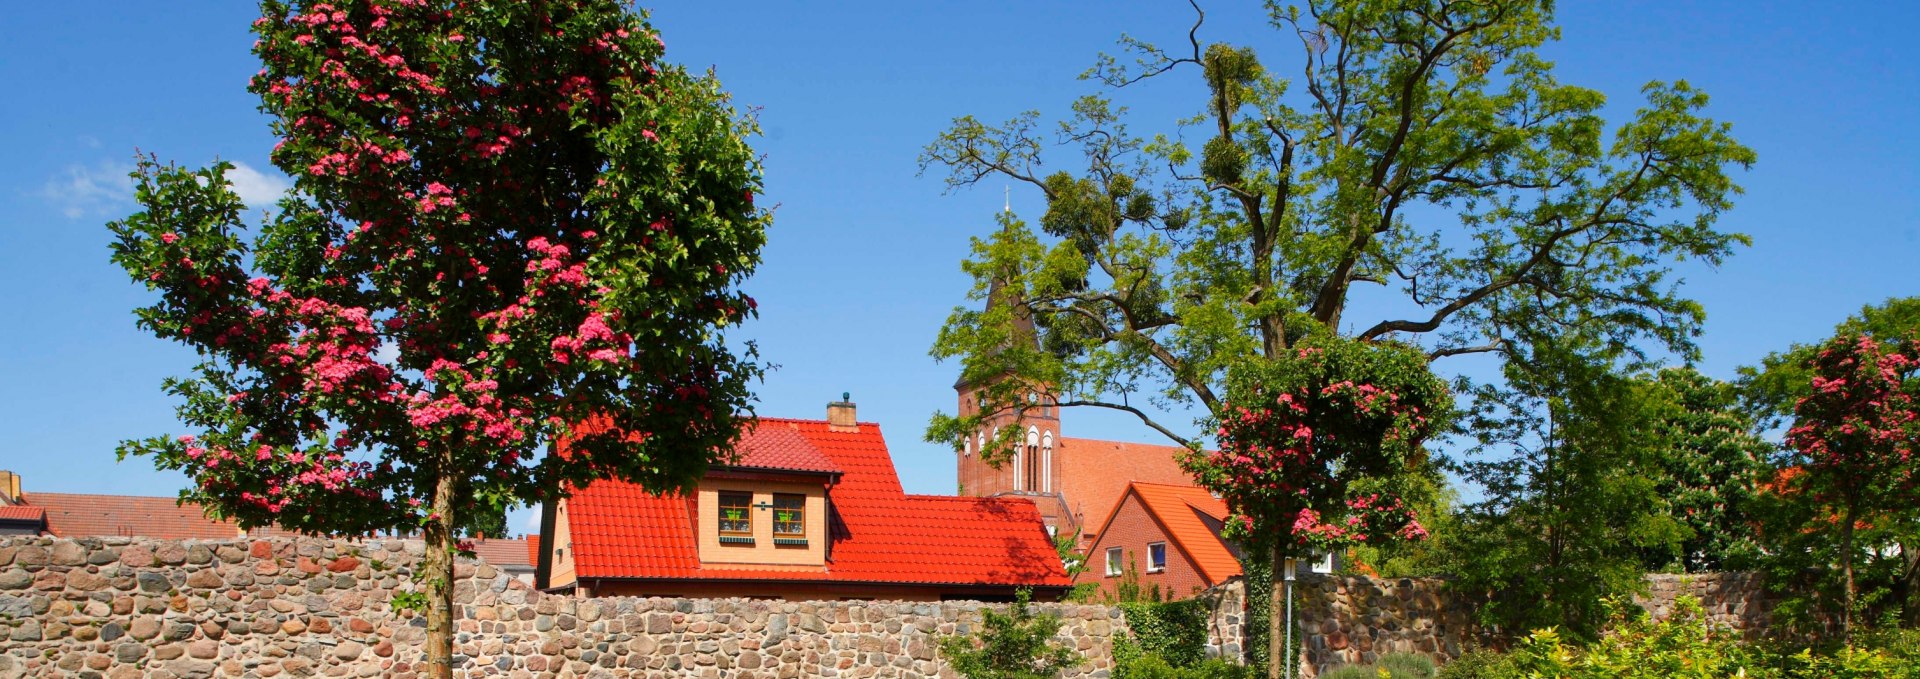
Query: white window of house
{"x": 1156, "y": 557}
{"x": 1113, "y": 561}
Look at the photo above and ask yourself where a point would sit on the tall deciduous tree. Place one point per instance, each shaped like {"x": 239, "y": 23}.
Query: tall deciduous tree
{"x": 1422, "y": 156}
{"x": 1857, "y": 433}
{"x": 1708, "y": 468}
{"x": 508, "y": 218}
{"x": 1568, "y": 460}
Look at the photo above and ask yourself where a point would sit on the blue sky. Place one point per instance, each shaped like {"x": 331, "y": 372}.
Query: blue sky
{"x": 862, "y": 264}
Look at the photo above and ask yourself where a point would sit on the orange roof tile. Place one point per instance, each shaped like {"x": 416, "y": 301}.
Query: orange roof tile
{"x": 1182, "y": 512}
{"x": 780, "y": 448}
{"x": 1094, "y": 474}
{"x": 81, "y": 515}
{"x": 503, "y": 551}
{"x": 879, "y": 533}
{"x": 22, "y": 513}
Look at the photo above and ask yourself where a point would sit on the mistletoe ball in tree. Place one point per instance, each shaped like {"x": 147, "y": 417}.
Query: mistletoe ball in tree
{"x": 509, "y": 218}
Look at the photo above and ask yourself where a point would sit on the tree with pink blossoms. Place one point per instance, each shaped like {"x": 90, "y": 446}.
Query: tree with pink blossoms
{"x": 508, "y": 218}
{"x": 1316, "y": 453}
{"x": 1857, "y": 433}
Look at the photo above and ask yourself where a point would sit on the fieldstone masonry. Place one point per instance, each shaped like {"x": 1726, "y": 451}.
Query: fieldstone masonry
{"x": 1355, "y": 619}
{"x": 120, "y": 607}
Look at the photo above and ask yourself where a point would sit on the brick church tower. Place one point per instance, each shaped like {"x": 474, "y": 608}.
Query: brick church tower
{"x": 1034, "y": 470}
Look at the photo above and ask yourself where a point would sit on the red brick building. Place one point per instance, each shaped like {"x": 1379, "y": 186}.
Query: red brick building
{"x": 1169, "y": 535}
{"x": 810, "y": 509}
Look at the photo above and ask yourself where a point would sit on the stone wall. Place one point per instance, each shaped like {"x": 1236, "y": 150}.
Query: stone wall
{"x": 119, "y": 607}
{"x": 1737, "y": 601}
{"x": 1355, "y": 619}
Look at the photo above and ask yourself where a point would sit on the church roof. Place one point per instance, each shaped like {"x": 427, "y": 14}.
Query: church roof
{"x": 879, "y": 533}
{"x": 1094, "y": 473}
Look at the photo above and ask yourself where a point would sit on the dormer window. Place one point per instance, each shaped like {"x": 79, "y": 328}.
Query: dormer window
{"x": 789, "y": 519}
{"x": 736, "y": 518}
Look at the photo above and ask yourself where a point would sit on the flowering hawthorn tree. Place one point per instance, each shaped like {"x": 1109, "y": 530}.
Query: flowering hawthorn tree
{"x": 1858, "y": 431}
{"x": 1313, "y": 452}
{"x": 508, "y": 218}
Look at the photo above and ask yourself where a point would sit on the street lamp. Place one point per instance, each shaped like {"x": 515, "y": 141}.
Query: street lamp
{"x": 1287, "y": 576}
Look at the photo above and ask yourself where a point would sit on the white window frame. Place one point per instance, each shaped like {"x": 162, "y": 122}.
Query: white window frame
{"x": 1162, "y": 546}
{"x": 1115, "y": 556}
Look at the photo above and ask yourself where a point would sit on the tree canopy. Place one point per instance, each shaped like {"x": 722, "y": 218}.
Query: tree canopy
{"x": 1422, "y": 153}
{"x": 1410, "y": 173}
{"x": 509, "y": 219}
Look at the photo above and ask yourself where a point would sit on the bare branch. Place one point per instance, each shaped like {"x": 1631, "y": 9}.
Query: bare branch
{"x": 1183, "y": 441}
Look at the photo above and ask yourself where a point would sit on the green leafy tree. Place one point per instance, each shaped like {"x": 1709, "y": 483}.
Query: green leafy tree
{"x": 1708, "y": 469}
{"x": 1017, "y": 644}
{"x": 1568, "y": 460}
{"x": 1424, "y": 158}
{"x": 511, "y": 223}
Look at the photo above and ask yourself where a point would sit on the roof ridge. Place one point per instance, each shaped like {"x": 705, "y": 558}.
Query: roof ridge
{"x": 1170, "y": 485}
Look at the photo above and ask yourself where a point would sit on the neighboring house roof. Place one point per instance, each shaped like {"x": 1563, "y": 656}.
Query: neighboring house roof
{"x": 76, "y": 515}
{"x": 23, "y": 514}
{"x": 878, "y": 533}
{"x": 508, "y": 552}
{"x": 1094, "y": 474}
{"x": 1188, "y": 515}
{"x": 82, "y": 515}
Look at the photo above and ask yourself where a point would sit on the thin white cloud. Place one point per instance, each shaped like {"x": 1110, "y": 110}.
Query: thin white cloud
{"x": 96, "y": 191}
{"x": 259, "y": 190}
{"x": 533, "y": 519}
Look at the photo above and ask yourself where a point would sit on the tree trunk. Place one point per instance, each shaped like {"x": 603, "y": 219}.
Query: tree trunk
{"x": 1846, "y": 572}
{"x": 1910, "y": 582}
{"x": 438, "y": 572}
{"x": 1276, "y": 615}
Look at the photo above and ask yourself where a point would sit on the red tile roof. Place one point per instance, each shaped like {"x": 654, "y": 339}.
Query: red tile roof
{"x": 879, "y": 533}
{"x": 781, "y": 448}
{"x": 22, "y": 513}
{"x": 1094, "y": 474}
{"x": 81, "y": 515}
{"x": 1182, "y": 512}
{"x": 503, "y": 551}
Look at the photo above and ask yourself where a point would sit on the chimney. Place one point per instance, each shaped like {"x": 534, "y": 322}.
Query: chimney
{"x": 840, "y": 414}
{"x": 9, "y": 488}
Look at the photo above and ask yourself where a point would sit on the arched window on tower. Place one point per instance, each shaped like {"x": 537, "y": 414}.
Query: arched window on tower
{"x": 1046, "y": 463}
{"x": 1032, "y": 466}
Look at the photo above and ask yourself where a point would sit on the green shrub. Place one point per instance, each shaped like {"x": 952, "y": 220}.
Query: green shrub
{"x": 1389, "y": 666}
{"x": 1351, "y": 672}
{"x": 1406, "y": 665}
{"x": 1014, "y": 645}
{"x": 1131, "y": 663}
{"x": 1480, "y": 664}
{"x": 1176, "y": 631}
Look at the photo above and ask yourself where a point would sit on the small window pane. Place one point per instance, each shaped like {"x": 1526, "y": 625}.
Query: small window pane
{"x": 1113, "y": 561}
{"x": 1156, "y": 557}
{"x": 736, "y": 513}
{"x": 789, "y": 515}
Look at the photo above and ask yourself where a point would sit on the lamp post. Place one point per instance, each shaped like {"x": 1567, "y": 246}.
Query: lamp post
{"x": 1287, "y": 572}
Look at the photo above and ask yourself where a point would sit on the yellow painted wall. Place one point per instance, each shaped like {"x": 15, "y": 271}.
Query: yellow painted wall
{"x": 561, "y": 547}
{"x": 762, "y": 551}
